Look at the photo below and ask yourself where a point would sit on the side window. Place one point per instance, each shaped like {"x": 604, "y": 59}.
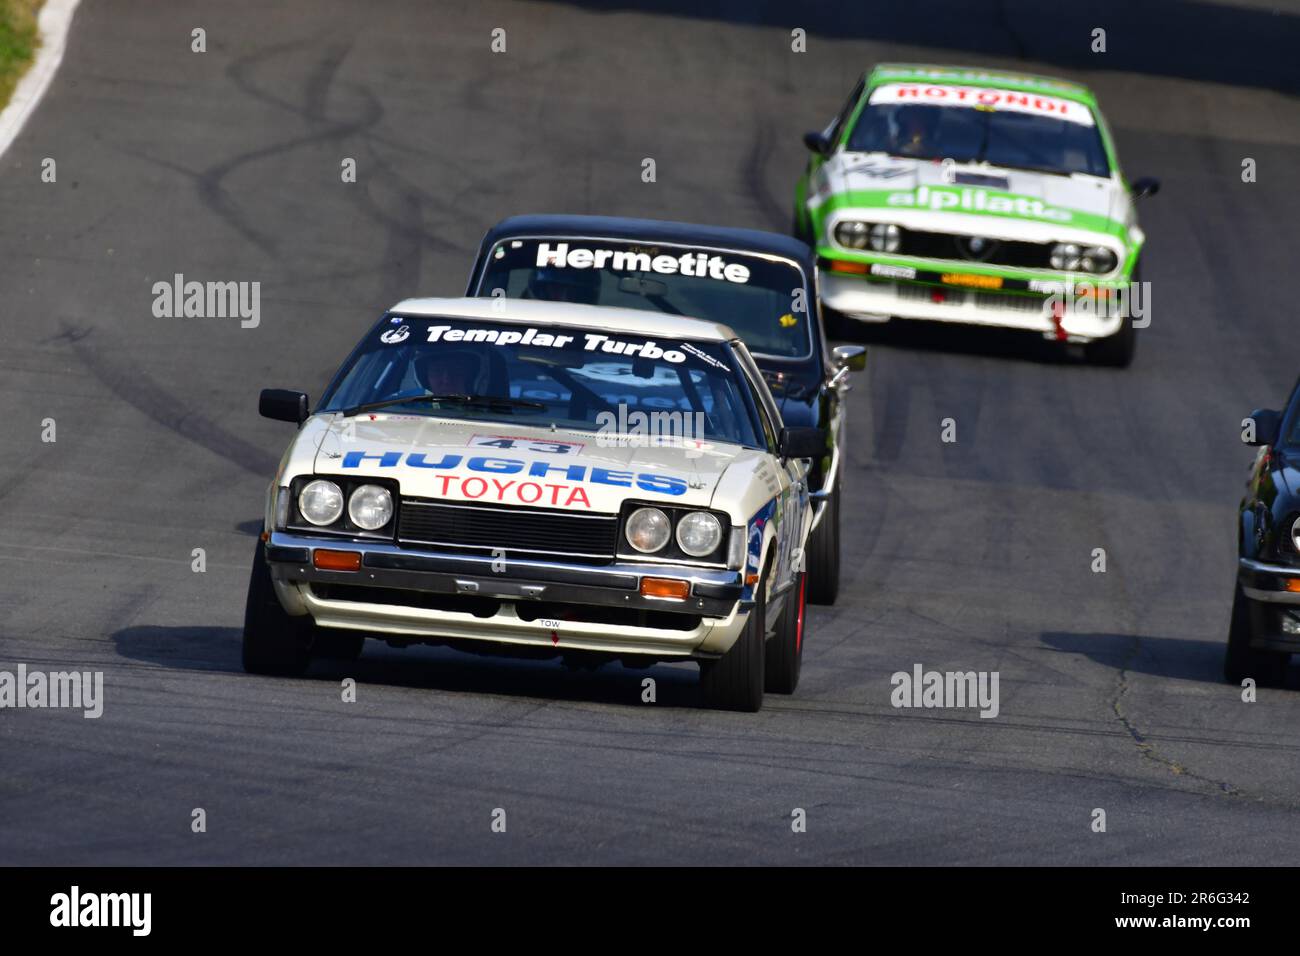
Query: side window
{"x": 768, "y": 415}
{"x": 847, "y": 110}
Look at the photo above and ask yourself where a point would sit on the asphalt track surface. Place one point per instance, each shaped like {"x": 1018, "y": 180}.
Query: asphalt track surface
{"x": 968, "y": 556}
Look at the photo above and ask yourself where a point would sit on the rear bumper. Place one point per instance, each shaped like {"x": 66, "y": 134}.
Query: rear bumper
{"x": 428, "y": 595}
{"x": 880, "y": 300}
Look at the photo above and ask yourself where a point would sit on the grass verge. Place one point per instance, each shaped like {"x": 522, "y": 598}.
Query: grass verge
{"x": 18, "y": 42}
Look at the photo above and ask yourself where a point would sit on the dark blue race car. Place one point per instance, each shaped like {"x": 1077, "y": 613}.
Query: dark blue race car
{"x": 763, "y": 285}
{"x": 1265, "y": 627}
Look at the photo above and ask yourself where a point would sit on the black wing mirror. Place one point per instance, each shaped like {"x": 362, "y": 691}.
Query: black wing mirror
{"x": 283, "y": 404}
{"x": 1266, "y": 425}
{"x": 803, "y": 442}
{"x": 1146, "y": 186}
{"x": 817, "y": 142}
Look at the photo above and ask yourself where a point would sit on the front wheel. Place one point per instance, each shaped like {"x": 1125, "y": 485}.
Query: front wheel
{"x": 1240, "y": 661}
{"x": 274, "y": 642}
{"x": 824, "y": 554}
{"x": 735, "y": 681}
{"x": 1115, "y": 351}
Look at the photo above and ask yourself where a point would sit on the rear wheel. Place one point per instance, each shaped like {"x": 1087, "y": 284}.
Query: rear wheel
{"x": 784, "y": 651}
{"x": 274, "y": 642}
{"x": 824, "y": 554}
{"x": 735, "y": 680}
{"x": 1267, "y": 668}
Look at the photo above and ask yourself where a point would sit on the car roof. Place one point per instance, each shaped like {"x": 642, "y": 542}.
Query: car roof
{"x": 653, "y": 230}
{"x": 599, "y": 318}
{"x": 982, "y": 76}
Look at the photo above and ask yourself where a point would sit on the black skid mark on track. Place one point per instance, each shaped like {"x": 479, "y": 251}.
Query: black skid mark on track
{"x": 210, "y": 181}
{"x": 157, "y": 403}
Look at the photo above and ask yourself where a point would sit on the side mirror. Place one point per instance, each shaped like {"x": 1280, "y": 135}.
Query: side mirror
{"x": 1267, "y": 423}
{"x": 851, "y": 357}
{"x": 283, "y": 404}
{"x": 816, "y": 142}
{"x": 803, "y": 442}
{"x": 1144, "y": 187}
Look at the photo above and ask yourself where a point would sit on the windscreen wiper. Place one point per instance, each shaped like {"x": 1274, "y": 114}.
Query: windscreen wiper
{"x": 494, "y": 402}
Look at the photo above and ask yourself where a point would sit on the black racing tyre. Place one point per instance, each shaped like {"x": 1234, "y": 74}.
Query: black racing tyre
{"x": 824, "y": 555}
{"x": 274, "y": 642}
{"x": 735, "y": 680}
{"x": 1116, "y": 351}
{"x": 1268, "y": 668}
{"x": 784, "y": 650}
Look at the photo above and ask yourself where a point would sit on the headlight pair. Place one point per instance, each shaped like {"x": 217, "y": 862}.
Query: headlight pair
{"x": 648, "y": 530}
{"x": 878, "y": 236}
{"x": 1074, "y": 257}
{"x": 321, "y": 502}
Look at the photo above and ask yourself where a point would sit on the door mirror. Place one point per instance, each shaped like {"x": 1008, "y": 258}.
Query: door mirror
{"x": 803, "y": 442}
{"x": 817, "y": 142}
{"x": 1146, "y": 186}
{"x": 851, "y": 357}
{"x": 1267, "y": 422}
{"x": 284, "y": 405}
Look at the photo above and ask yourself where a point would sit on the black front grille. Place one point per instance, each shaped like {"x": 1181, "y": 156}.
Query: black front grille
{"x": 1008, "y": 252}
{"x": 484, "y": 527}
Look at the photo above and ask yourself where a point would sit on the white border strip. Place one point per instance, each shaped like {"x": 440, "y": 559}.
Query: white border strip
{"x": 52, "y": 24}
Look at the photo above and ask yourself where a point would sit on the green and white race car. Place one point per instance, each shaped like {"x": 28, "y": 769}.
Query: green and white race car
{"x": 964, "y": 195}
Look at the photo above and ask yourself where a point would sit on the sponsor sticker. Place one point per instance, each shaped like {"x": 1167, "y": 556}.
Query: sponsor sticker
{"x": 974, "y": 281}
{"x": 698, "y": 264}
{"x": 982, "y": 97}
{"x": 892, "y": 272}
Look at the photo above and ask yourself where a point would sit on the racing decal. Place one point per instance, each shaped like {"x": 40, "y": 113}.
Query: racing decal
{"x": 515, "y": 442}
{"x": 982, "y": 97}
{"x": 788, "y": 320}
{"x": 754, "y": 545}
{"x": 939, "y": 198}
{"x": 698, "y": 264}
{"x": 592, "y": 341}
{"x": 661, "y": 484}
{"x": 394, "y": 336}
{"x": 892, "y": 272}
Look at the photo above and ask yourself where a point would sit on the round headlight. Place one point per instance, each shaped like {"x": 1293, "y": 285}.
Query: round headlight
{"x": 321, "y": 502}
{"x": 1295, "y": 533}
{"x": 648, "y": 530}
{"x": 370, "y": 507}
{"x": 1097, "y": 259}
{"x": 1065, "y": 256}
{"x": 852, "y": 234}
{"x": 885, "y": 237}
{"x": 699, "y": 533}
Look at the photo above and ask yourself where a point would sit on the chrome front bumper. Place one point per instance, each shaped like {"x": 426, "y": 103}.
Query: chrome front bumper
{"x": 515, "y": 601}
{"x": 880, "y": 300}
{"x": 1267, "y": 584}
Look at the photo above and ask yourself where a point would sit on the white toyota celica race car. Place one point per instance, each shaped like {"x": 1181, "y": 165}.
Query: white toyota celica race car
{"x": 541, "y": 479}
